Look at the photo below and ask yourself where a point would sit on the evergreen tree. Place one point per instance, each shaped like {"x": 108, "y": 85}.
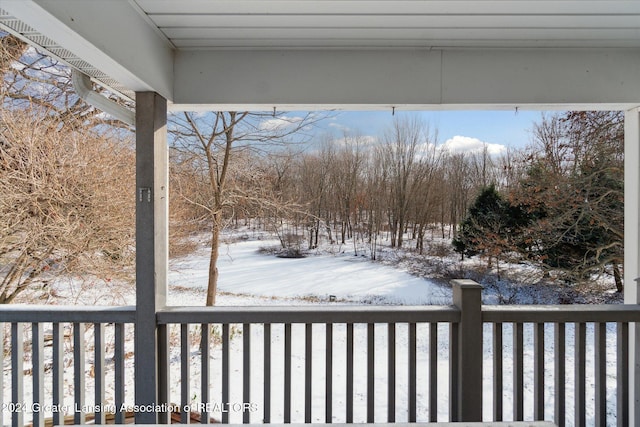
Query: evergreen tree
{"x": 492, "y": 226}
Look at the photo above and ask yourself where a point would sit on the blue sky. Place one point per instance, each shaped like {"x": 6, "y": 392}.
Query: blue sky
{"x": 503, "y": 128}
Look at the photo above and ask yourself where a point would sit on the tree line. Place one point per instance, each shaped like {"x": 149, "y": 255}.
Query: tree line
{"x": 556, "y": 204}
{"x": 401, "y": 186}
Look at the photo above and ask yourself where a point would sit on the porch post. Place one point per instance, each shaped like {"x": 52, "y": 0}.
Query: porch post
{"x": 468, "y": 390}
{"x": 151, "y": 243}
{"x": 632, "y": 249}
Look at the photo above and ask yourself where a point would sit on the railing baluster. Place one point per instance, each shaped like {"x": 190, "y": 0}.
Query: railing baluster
{"x": 185, "y": 374}
{"x": 225, "y": 371}
{"x": 433, "y": 372}
{"x": 118, "y": 354}
{"x": 98, "y": 371}
{"x": 622, "y": 377}
{"x": 518, "y": 372}
{"x": 246, "y": 369}
{"x": 164, "y": 380}
{"x": 580, "y": 388}
{"x": 119, "y": 380}
{"x": 266, "y": 417}
{"x": 287, "y": 373}
{"x": 58, "y": 372}
{"x": 538, "y": 371}
{"x": 78, "y": 373}
{"x": 412, "y": 373}
{"x": 370, "y": 372}
{"x": 391, "y": 372}
{"x": 37, "y": 369}
{"x": 454, "y": 381}
{"x": 308, "y": 352}
{"x": 349, "y": 373}
{"x": 205, "y": 375}
{"x": 497, "y": 373}
{"x": 559, "y": 374}
{"x": 600, "y": 362}
{"x": 328, "y": 399}
{"x": 17, "y": 373}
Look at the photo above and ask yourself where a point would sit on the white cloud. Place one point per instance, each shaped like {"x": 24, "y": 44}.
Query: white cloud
{"x": 340, "y": 127}
{"x": 461, "y": 144}
{"x": 426, "y": 150}
{"x": 280, "y": 123}
{"x": 362, "y": 140}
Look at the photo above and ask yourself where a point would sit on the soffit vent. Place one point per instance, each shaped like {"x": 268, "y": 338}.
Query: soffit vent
{"x": 49, "y": 47}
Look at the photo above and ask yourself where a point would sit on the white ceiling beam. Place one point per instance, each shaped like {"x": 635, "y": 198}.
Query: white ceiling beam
{"x": 539, "y": 76}
{"x": 392, "y": 7}
{"x": 416, "y": 79}
{"x": 115, "y": 39}
{"x": 381, "y": 43}
{"x": 321, "y": 78}
{"x": 374, "y": 22}
{"x": 428, "y": 36}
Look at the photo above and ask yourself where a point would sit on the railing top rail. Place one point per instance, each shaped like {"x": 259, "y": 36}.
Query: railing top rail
{"x": 77, "y": 314}
{"x": 561, "y": 313}
{"x": 309, "y": 314}
{"x": 324, "y": 314}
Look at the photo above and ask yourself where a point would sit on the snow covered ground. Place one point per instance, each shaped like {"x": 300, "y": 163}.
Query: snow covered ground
{"x": 249, "y": 277}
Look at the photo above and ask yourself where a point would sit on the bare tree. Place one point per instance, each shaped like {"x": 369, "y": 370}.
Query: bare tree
{"x": 400, "y": 150}
{"x": 376, "y": 200}
{"x": 64, "y": 180}
{"x": 424, "y": 194}
{"x": 64, "y": 204}
{"x": 314, "y": 187}
{"x": 11, "y": 50}
{"x": 34, "y": 81}
{"x": 218, "y": 138}
{"x": 346, "y": 173}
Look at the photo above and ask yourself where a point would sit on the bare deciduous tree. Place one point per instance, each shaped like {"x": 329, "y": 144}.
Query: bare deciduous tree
{"x": 64, "y": 183}
{"x": 65, "y": 202}
{"x": 401, "y": 153}
{"x": 218, "y": 138}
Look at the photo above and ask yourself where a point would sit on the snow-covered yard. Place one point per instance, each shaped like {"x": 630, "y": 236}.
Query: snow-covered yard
{"x": 249, "y": 277}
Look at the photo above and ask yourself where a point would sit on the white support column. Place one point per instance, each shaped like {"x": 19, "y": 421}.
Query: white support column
{"x": 152, "y": 243}
{"x": 632, "y": 249}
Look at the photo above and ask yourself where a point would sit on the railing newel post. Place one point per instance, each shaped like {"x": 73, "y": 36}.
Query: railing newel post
{"x": 467, "y": 298}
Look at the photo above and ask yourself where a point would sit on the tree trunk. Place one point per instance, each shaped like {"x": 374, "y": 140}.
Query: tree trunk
{"x": 393, "y": 225}
{"x": 399, "y": 239}
{"x": 420, "y": 238}
{"x": 617, "y": 277}
{"x": 212, "y": 286}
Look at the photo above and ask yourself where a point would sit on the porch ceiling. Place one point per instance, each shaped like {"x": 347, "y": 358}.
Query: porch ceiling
{"x": 347, "y": 53}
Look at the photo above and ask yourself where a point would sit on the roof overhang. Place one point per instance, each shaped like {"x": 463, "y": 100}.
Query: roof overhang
{"x": 303, "y": 55}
